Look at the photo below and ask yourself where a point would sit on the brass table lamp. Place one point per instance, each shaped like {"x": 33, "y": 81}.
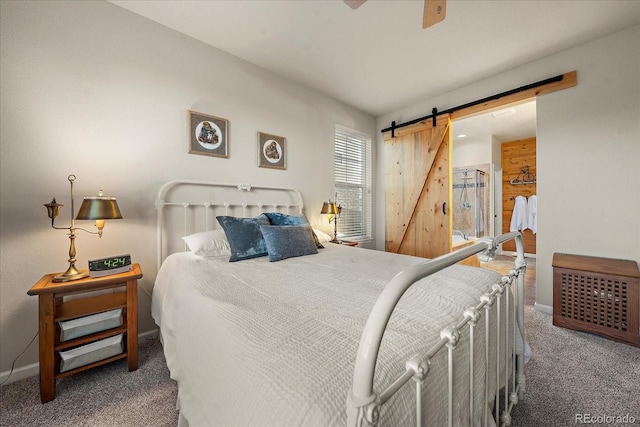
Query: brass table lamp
{"x": 97, "y": 208}
{"x": 333, "y": 213}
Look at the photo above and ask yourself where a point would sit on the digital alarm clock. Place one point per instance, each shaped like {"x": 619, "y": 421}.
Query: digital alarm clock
{"x": 111, "y": 265}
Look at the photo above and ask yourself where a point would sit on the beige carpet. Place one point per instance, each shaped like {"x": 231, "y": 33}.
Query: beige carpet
{"x": 573, "y": 376}
{"x": 105, "y": 396}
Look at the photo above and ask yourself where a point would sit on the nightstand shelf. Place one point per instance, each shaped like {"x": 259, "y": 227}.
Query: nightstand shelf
{"x": 88, "y": 338}
{"x": 92, "y": 365}
{"x": 83, "y": 307}
{"x": 346, "y": 243}
{"x": 54, "y": 308}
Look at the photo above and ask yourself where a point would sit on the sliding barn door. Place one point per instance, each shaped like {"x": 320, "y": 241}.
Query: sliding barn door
{"x": 418, "y": 189}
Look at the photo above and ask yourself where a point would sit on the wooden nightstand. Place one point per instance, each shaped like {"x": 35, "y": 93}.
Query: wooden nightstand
{"x": 53, "y": 308}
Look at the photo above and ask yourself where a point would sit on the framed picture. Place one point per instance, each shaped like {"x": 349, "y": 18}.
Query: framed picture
{"x": 208, "y": 135}
{"x": 272, "y": 151}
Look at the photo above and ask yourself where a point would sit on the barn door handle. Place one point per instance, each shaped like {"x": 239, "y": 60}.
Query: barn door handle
{"x": 444, "y": 208}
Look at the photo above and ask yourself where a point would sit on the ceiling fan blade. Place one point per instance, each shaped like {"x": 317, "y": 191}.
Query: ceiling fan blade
{"x": 434, "y": 12}
{"x": 354, "y": 4}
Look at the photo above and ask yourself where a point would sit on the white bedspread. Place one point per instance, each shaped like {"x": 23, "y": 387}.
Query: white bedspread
{"x": 254, "y": 343}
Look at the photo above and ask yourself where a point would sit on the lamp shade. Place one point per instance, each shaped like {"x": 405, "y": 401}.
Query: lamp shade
{"x": 329, "y": 208}
{"x": 99, "y": 207}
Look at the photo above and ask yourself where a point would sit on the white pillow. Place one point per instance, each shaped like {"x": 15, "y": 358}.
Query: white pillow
{"x": 322, "y": 236}
{"x": 208, "y": 243}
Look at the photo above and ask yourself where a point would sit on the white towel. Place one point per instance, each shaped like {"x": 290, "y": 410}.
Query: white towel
{"x": 519, "y": 215}
{"x": 532, "y": 211}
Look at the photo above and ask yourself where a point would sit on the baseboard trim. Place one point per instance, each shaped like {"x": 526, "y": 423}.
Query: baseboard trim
{"x": 148, "y": 335}
{"x": 543, "y": 308}
{"x": 20, "y": 373}
{"x": 24, "y": 372}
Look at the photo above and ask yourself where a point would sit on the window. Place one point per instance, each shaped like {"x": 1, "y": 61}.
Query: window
{"x": 353, "y": 184}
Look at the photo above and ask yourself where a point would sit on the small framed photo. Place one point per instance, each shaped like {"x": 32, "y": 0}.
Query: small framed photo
{"x": 208, "y": 135}
{"x": 272, "y": 151}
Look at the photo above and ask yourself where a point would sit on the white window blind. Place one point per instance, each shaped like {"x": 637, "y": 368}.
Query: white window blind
{"x": 353, "y": 184}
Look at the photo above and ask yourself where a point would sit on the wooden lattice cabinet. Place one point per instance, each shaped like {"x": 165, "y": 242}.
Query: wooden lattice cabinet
{"x": 598, "y": 295}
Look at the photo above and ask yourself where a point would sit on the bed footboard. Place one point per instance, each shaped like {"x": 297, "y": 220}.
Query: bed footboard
{"x": 363, "y": 403}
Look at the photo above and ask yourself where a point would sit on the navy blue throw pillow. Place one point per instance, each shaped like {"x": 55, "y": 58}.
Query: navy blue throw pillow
{"x": 288, "y": 241}
{"x": 244, "y": 236}
{"x": 277, "y": 218}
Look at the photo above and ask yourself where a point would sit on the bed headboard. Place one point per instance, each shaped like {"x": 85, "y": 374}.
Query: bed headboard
{"x": 185, "y": 207}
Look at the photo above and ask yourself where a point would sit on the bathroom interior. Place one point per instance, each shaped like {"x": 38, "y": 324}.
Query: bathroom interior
{"x": 478, "y": 200}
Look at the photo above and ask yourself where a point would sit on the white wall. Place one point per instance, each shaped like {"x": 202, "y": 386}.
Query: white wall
{"x": 588, "y": 150}
{"x": 471, "y": 152}
{"x": 91, "y": 89}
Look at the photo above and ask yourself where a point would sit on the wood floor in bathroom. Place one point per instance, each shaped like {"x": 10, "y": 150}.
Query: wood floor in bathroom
{"x": 503, "y": 263}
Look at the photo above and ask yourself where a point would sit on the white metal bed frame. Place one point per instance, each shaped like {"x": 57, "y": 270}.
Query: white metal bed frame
{"x": 363, "y": 403}
{"x": 211, "y": 205}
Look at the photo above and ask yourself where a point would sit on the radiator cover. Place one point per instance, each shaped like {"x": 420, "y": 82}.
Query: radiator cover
{"x": 598, "y": 295}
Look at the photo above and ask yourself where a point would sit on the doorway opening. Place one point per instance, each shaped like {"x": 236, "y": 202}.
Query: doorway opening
{"x": 477, "y": 143}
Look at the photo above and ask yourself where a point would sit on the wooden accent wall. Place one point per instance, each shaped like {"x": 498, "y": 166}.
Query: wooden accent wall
{"x": 515, "y": 156}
